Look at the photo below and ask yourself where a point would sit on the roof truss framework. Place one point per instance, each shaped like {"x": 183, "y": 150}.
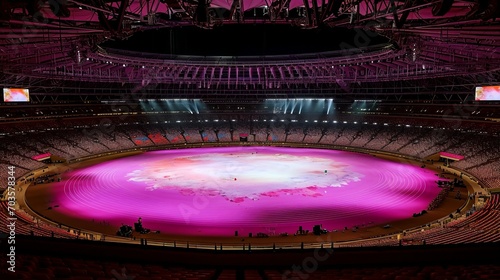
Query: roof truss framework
{"x": 38, "y": 44}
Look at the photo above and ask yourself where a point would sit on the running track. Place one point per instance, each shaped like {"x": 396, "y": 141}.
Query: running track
{"x": 216, "y": 191}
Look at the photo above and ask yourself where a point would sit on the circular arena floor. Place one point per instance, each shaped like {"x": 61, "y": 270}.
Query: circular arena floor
{"x": 217, "y": 191}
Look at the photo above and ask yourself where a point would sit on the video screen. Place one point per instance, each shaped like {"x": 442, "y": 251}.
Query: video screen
{"x": 488, "y": 93}
{"x": 16, "y": 95}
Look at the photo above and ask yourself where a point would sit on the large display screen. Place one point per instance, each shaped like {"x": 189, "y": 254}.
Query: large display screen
{"x": 488, "y": 93}
{"x": 16, "y": 95}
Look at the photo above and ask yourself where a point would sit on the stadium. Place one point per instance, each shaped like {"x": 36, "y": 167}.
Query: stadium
{"x": 172, "y": 139}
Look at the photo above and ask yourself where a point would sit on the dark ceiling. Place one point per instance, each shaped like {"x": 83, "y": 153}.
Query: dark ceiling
{"x": 241, "y": 40}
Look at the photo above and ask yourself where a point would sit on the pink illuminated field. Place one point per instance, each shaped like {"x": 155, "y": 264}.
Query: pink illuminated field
{"x": 217, "y": 191}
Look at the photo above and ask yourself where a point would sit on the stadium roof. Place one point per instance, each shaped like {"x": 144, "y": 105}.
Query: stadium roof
{"x": 59, "y": 43}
